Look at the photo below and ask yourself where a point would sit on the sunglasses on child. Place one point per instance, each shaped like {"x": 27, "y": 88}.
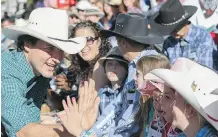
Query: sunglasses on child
{"x": 90, "y": 40}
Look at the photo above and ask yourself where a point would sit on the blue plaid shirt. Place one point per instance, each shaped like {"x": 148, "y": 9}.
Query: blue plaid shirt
{"x": 206, "y": 131}
{"x": 198, "y": 45}
{"x": 117, "y": 119}
{"x": 107, "y": 95}
{"x": 21, "y": 92}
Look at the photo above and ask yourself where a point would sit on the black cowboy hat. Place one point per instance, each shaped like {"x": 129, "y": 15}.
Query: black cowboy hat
{"x": 171, "y": 17}
{"x": 133, "y": 26}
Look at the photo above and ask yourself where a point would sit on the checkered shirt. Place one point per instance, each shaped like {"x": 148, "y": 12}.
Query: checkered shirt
{"x": 197, "y": 45}
{"x": 21, "y": 93}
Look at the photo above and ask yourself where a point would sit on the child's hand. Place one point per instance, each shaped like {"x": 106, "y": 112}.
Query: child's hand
{"x": 71, "y": 119}
{"x": 88, "y": 104}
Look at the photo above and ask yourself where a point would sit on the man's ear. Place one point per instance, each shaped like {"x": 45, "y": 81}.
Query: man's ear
{"x": 125, "y": 44}
{"x": 26, "y": 47}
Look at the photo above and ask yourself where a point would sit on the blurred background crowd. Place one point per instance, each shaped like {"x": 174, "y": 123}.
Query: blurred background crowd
{"x": 103, "y": 12}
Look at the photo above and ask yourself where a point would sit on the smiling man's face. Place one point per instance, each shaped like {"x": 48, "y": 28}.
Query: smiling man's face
{"x": 43, "y": 58}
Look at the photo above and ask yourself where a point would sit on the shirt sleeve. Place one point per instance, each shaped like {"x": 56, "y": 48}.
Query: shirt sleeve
{"x": 15, "y": 109}
{"x": 207, "y": 52}
{"x": 113, "y": 122}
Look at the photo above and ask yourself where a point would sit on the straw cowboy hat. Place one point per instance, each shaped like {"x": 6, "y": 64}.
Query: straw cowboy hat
{"x": 133, "y": 26}
{"x": 114, "y": 2}
{"x": 113, "y": 54}
{"x": 196, "y": 84}
{"x": 51, "y": 26}
{"x": 172, "y": 16}
{"x": 93, "y": 10}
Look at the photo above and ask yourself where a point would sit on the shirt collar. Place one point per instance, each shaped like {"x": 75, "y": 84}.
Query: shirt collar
{"x": 108, "y": 89}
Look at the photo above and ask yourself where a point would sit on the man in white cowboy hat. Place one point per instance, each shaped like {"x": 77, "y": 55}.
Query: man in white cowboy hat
{"x": 196, "y": 97}
{"x": 134, "y": 42}
{"x": 25, "y": 71}
{"x": 186, "y": 40}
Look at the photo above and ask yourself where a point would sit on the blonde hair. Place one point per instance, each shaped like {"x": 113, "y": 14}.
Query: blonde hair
{"x": 145, "y": 65}
{"x": 201, "y": 120}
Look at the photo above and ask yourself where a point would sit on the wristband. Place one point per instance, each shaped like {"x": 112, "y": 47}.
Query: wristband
{"x": 85, "y": 134}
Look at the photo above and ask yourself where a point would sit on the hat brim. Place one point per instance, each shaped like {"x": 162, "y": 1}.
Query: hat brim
{"x": 174, "y": 79}
{"x": 101, "y": 60}
{"x": 70, "y": 46}
{"x": 99, "y": 14}
{"x": 162, "y": 30}
{"x": 150, "y": 39}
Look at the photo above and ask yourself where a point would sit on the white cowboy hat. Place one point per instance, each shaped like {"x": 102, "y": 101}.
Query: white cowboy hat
{"x": 51, "y": 26}
{"x": 197, "y": 84}
{"x": 83, "y": 5}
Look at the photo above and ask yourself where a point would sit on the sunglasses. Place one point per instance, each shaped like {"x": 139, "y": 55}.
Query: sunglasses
{"x": 90, "y": 40}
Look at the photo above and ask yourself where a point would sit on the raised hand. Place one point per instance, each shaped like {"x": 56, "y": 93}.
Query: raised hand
{"x": 88, "y": 104}
{"x": 71, "y": 118}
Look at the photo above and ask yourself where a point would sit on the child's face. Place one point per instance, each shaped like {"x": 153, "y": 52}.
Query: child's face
{"x": 156, "y": 99}
{"x": 115, "y": 71}
{"x": 167, "y": 103}
{"x": 179, "y": 117}
{"x": 139, "y": 78}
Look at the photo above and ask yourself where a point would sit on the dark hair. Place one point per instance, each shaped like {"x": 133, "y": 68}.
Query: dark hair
{"x": 80, "y": 68}
{"x": 25, "y": 38}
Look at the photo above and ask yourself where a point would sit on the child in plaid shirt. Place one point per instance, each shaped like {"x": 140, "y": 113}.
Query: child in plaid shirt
{"x": 116, "y": 69}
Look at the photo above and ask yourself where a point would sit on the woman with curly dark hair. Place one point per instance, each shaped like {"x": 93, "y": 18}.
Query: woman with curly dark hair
{"x": 85, "y": 63}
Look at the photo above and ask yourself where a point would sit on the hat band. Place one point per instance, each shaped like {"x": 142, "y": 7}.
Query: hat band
{"x": 173, "y": 23}
{"x": 63, "y": 40}
{"x": 117, "y": 57}
{"x": 213, "y": 119}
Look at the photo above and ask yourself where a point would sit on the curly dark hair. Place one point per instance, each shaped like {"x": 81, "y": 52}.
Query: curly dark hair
{"x": 81, "y": 69}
